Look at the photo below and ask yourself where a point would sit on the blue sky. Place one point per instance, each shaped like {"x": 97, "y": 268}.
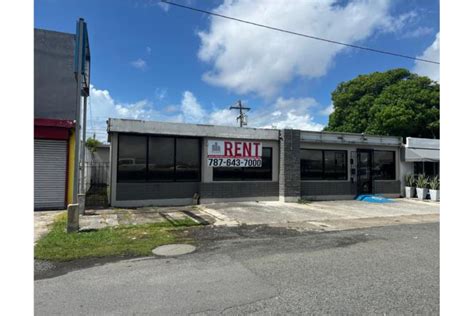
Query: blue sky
{"x": 152, "y": 61}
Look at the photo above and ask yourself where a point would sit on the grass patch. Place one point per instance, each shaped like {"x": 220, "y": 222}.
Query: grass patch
{"x": 124, "y": 240}
{"x": 303, "y": 201}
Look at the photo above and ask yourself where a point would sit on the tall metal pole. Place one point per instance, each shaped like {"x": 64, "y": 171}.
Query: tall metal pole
{"x": 241, "y": 116}
{"x": 78, "y": 111}
{"x": 83, "y": 146}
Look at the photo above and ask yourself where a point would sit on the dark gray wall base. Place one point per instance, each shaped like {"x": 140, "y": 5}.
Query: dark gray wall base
{"x": 381, "y": 187}
{"x": 222, "y": 190}
{"x": 156, "y": 191}
{"x": 326, "y": 188}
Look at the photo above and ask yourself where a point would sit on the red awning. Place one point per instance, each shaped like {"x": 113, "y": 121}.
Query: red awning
{"x": 52, "y": 128}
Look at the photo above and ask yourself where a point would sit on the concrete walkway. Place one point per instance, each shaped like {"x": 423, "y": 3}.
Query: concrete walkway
{"x": 96, "y": 219}
{"x": 43, "y": 221}
{"x": 323, "y": 215}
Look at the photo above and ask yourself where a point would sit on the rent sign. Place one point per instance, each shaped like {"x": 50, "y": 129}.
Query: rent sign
{"x": 234, "y": 153}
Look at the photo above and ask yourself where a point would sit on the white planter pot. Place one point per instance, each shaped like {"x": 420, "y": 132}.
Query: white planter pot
{"x": 409, "y": 192}
{"x": 434, "y": 195}
{"x": 421, "y": 193}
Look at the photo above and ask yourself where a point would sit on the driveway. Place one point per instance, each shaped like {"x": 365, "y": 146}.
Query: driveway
{"x": 324, "y": 215}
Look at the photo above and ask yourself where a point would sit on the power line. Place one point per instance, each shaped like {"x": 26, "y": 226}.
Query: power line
{"x": 300, "y": 34}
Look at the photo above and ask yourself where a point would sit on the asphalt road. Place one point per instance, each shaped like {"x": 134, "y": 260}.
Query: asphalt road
{"x": 261, "y": 270}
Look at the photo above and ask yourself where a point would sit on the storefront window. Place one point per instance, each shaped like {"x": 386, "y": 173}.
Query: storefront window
{"x": 384, "y": 165}
{"x": 335, "y": 165}
{"x": 428, "y": 168}
{"x": 161, "y": 158}
{"x": 312, "y": 165}
{"x": 131, "y": 165}
{"x": 165, "y": 159}
{"x": 188, "y": 162}
{"x": 263, "y": 173}
{"x": 323, "y": 164}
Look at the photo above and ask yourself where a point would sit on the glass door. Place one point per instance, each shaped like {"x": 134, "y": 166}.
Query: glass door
{"x": 364, "y": 171}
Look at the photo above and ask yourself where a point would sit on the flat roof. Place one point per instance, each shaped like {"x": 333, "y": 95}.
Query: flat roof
{"x": 185, "y": 129}
{"x": 116, "y": 125}
{"x": 349, "y": 138}
{"x": 422, "y": 143}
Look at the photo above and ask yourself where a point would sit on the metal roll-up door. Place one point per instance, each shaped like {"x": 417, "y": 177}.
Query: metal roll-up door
{"x": 50, "y": 173}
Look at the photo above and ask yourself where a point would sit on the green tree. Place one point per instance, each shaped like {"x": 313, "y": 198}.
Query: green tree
{"x": 395, "y": 102}
{"x": 92, "y": 143}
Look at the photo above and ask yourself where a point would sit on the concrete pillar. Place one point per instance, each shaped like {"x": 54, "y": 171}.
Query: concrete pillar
{"x": 290, "y": 176}
{"x": 72, "y": 218}
{"x": 81, "y": 201}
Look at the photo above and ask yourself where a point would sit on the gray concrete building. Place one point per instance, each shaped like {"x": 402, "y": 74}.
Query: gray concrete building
{"x": 420, "y": 156}
{"x": 55, "y": 114}
{"x": 157, "y": 163}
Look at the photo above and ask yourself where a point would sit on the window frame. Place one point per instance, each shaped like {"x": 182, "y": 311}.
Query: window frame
{"x": 147, "y": 178}
{"x": 242, "y": 171}
{"x": 323, "y": 151}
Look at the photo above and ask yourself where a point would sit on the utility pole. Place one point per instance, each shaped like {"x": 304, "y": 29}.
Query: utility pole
{"x": 78, "y": 73}
{"x": 241, "y": 117}
{"x": 82, "y": 74}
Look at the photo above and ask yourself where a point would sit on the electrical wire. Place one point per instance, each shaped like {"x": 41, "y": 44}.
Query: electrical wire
{"x": 300, "y": 34}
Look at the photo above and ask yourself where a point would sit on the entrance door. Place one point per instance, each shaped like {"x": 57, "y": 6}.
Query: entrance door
{"x": 364, "y": 171}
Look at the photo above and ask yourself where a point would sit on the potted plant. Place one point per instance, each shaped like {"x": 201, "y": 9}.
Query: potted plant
{"x": 410, "y": 183}
{"x": 422, "y": 185}
{"x": 434, "y": 188}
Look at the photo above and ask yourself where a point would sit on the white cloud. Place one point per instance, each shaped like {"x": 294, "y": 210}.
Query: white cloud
{"x": 223, "y": 117}
{"x": 428, "y": 69}
{"x": 148, "y": 50}
{"x": 249, "y": 59}
{"x": 139, "y": 64}
{"x": 164, "y": 6}
{"x": 298, "y": 105}
{"x": 396, "y": 24}
{"x": 327, "y": 111}
{"x": 293, "y": 120}
{"x": 102, "y": 106}
{"x": 160, "y": 93}
{"x": 191, "y": 109}
{"x": 171, "y": 108}
{"x": 418, "y": 32}
{"x": 283, "y": 113}
{"x": 288, "y": 113}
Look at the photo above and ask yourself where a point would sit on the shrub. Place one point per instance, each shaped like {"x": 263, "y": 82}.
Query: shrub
{"x": 410, "y": 180}
{"x": 422, "y": 181}
{"x": 434, "y": 183}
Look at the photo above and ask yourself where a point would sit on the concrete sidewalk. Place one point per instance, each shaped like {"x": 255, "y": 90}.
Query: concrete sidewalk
{"x": 323, "y": 215}
{"x": 43, "y": 221}
{"x": 96, "y": 219}
{"x": 318, "y": 216}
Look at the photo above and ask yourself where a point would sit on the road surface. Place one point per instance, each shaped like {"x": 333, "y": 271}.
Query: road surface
{"x": 262, "y": 270}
